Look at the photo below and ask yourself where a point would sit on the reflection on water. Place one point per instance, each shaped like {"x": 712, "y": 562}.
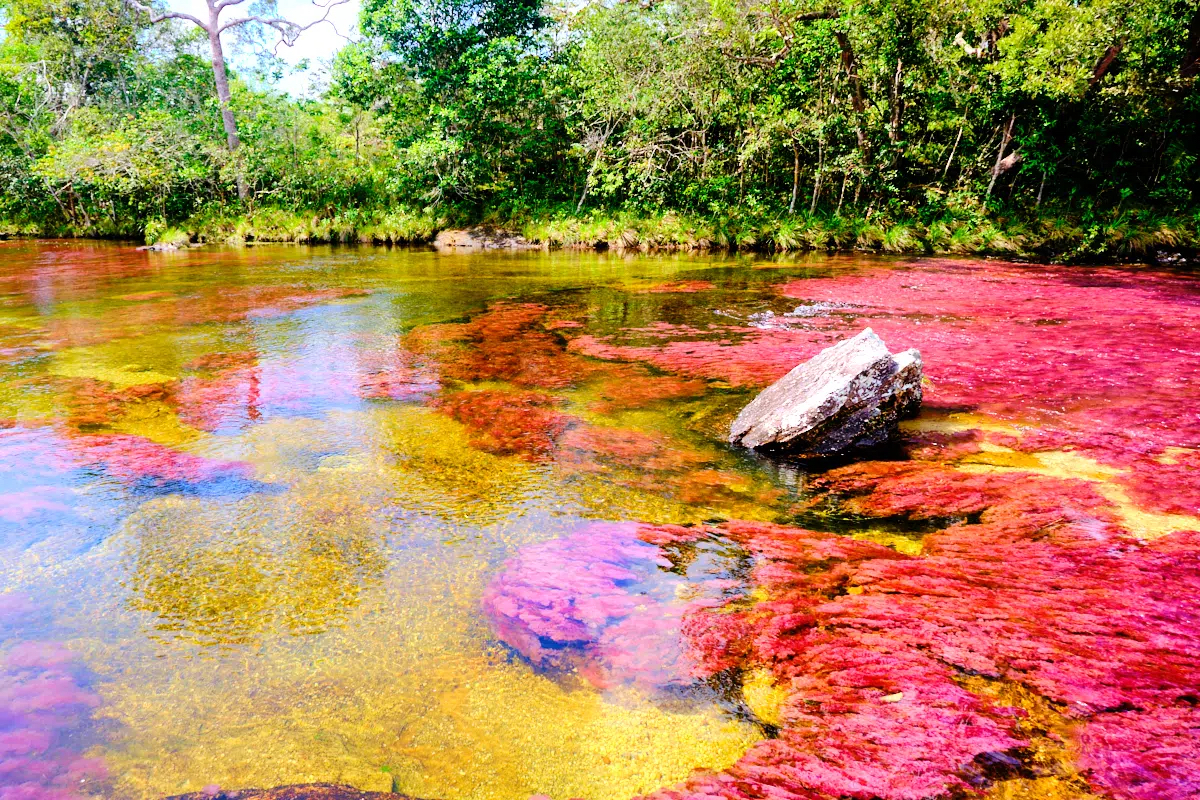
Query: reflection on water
{"x": 283, "y": 515}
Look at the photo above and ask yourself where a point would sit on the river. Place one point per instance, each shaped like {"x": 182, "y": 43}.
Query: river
{"x": 466, "y": 527}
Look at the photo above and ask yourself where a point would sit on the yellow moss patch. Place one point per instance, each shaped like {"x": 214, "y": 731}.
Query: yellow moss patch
{"x": 1051, "y": 737}
{"x": 1171, "y": 454}
{"x": 909, "y": 544}
{"x": 932, "y": 422}
{"x": 156, "y": 421}
{"x": 763, "y": 696}
{"x": 70, "y": 364}
{"x": 1069, "y": 465}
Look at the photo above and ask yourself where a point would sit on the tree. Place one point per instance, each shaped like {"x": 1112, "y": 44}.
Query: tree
{"x": 287, "y": 30}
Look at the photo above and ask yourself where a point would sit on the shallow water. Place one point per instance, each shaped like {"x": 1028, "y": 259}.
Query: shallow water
{"x": 271, "y": 515}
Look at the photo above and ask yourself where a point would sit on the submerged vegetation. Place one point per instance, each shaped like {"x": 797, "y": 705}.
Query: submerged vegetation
{"x": 468, "y": 528}
{"x": 1025, "y": 127}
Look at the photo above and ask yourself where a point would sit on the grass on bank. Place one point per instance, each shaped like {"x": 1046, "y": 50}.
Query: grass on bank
{"x": 1053, "y": 236}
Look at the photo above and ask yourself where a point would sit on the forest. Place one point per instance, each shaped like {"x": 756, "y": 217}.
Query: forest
{"x": 1053, "y": 129}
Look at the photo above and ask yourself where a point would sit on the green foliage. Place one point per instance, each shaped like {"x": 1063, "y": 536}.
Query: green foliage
{"x": 1043, "y": 128}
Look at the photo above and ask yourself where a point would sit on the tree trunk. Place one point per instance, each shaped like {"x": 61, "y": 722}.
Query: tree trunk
{"x": 1105, "y": 64}
{"x": 816, "y": 195}
{"x": 587, "y": 182}
{"x": 1004, "y": 140}
{"x": 795, "y": 177}
{"x": 223, "y": 96}
{"x": 953, "y": 150}
{"x": 1189, "y": 67}
{"x": 897, "y": 104}
{"x": 857, "y": 98}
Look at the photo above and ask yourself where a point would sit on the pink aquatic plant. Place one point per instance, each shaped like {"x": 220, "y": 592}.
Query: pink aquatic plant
{"x": 1041, "y": 588}
{"x": 133, "y": 458}
{"x": 42, "y": 703}
{"x": 597, "y": 601}
{"x": 51, "y": 455}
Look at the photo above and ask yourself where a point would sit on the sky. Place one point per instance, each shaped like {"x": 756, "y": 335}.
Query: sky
{"x": 316, "y": 44}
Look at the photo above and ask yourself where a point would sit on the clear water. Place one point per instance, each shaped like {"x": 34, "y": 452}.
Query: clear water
{"x": 235, "y": 491}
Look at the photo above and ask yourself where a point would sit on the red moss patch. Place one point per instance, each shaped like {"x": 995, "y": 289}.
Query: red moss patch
{"x": 508, "y": 423}
{"x": 507, "y": 343}
{"x": 678, "y": 287}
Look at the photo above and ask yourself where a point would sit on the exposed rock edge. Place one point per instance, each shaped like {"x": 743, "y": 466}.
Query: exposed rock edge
{"x": 848, "y": 397}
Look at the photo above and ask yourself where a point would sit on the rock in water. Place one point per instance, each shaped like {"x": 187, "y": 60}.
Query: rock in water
{"x": 848, "y": 397}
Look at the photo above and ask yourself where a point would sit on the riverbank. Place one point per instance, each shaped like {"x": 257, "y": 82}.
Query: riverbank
{"x": 1051, "y": 236}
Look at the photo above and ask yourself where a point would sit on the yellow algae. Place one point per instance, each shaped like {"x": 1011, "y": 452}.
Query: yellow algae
{"x": 909, "y": 544}
{"x": 958, "y": 422}
{"x": 229, "y": 575}
{"x": 1142, "y": 523}
{"x": 67, "y": 365}
{"x": 763, "y": 696}
{"x": 154, "y": 420}
{"x": 1050, "y": 735}
{"x": 1053, "y": 463}
{"x": 1171, "y": 454}
{"x": 1069, "y": 465}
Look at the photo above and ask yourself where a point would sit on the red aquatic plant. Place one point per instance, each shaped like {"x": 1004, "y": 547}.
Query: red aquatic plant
{"x": 508, "y": 423}
{"x": 628, "y": 386}
{"x": 678, "y": 287}
{"x": 95, "y": 404}
{"x": 1040, "y": 587}
{"x": 509, "y": 342}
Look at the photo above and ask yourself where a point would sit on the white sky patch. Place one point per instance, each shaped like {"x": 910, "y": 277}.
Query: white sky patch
{"x": 317, "y": 45}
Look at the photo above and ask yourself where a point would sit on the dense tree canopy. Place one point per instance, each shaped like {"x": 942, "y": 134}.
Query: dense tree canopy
{"x": 929, "y": 119}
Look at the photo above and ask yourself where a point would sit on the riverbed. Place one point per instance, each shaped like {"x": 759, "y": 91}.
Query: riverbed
{"x": 467, "y": 527}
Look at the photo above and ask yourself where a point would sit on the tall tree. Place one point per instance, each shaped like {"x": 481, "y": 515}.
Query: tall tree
{"x": 267, "y": 17}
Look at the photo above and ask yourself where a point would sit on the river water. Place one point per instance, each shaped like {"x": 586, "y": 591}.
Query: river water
{"x": 394, "y": 519}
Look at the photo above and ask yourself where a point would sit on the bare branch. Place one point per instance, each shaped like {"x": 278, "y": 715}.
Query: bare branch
{"x": 288, "y": 31}
{"x": 787, "y": 32}
{"x": 226, "y": 3}
{"x": 159, "y": 16}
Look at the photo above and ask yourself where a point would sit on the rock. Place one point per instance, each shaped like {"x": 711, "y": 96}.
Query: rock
{"x": 850, "y": 396}
{"x": 304, "y": 791}
{"x": 481, "y": 238}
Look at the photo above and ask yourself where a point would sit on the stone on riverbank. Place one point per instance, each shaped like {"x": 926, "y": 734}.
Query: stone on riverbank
{"x": 849, "y": 396}
{"x": 481, "y": 238}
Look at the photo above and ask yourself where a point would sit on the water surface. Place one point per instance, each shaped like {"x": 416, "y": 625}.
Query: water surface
{"x": 251, "y": 500}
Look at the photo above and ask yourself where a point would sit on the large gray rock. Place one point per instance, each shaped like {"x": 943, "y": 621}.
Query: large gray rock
{"x": 847, "y": 397}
